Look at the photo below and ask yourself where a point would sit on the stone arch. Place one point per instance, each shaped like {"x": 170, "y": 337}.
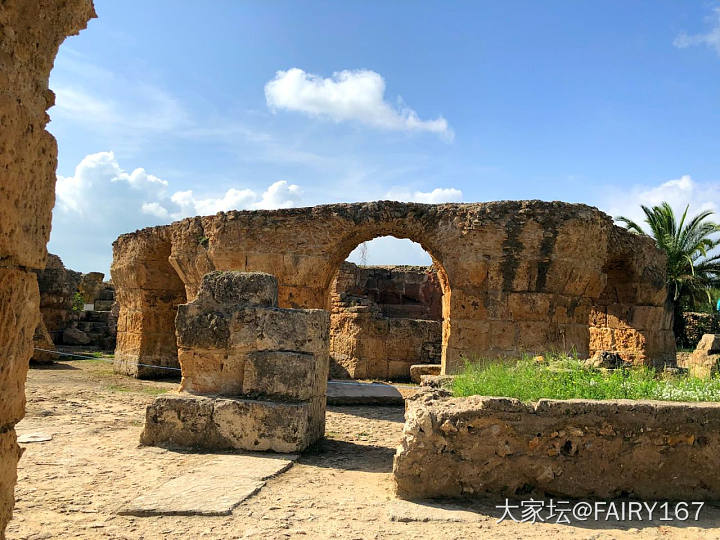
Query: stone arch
{"x": 520, "y": 276}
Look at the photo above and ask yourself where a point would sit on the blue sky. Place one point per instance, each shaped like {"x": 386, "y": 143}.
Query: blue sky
{"x": 172, "y": 108}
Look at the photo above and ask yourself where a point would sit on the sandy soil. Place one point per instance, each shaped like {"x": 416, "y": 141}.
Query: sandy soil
{"x": 72, "y": 486}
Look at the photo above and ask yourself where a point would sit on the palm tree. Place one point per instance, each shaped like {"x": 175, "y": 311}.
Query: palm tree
{"x": 692, "y": 270}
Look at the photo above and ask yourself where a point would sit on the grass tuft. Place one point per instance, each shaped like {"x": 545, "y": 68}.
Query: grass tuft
{"x": 568, "y": 378}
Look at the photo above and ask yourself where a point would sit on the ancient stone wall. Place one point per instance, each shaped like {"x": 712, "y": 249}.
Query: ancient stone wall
{"x": 516, "y": 275}
{"x": 258, "y": 374}
{"x": 57, "y": 286}
{"x": 695, "y": 325}
{"x": 67, "y": 323}
{"x": 383, "y": 319}
{"x": 406, "y": 292}
{"x": 501, "y": 447}
{"x": 30, "y": 34}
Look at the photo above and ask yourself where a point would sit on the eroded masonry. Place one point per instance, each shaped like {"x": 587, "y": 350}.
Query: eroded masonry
{"x": 254, "y": 375}
{"x": 515, "y": 276}
{"x": 30, "y": 34}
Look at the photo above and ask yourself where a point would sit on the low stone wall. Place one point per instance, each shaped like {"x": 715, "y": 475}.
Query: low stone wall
{"x": 500, "y": 447}
{"x": 254, "y": 376}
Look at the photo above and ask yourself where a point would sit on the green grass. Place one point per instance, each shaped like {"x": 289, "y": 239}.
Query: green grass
{"x": 567, "y": 378}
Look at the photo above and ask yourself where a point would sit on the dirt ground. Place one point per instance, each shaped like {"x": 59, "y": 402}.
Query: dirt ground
{"x": 72, "y": 485}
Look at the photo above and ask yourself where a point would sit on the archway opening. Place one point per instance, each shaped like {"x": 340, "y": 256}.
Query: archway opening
{"x": 386, "y": 300}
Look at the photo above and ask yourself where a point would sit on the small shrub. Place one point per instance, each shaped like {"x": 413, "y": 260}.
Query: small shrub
{"x": 78, "y": 303}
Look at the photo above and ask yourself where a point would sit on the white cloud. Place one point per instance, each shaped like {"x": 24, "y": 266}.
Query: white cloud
{"x": 101, "y": 200}
{"x": 349, "y": 95}
{"x": 154, "y": 209}
{"x": 436, "y": 196}
{"x": 678, "y": 193}
{"x": 710, "y": 39}
{"x": 279, "y": 195}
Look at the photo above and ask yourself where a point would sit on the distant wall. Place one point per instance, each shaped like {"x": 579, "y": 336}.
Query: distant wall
{"x": 383, "y": 319}
{"x": 695, "y": 326}
{"x": 58, "y": 286}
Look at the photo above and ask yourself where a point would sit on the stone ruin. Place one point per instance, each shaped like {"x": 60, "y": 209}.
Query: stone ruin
{"x": 705, "y": 359}
{"x": 384, "y": 319}
{"x": 482, "y": 446}
{"x": 92, "y": 325}
{"x": 516, "y": 276}
{"x": 253, "y": 375}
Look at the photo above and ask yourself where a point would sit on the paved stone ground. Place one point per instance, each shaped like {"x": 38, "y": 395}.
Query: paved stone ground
{"x": 73, "y": 485}
{"x": 363, "y": 393}
{"x": 212, "y": 489}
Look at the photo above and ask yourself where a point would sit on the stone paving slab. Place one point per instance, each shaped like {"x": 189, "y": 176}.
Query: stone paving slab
{"x": 407, "y": 511}
{"x": 212, "y": 489}
{"x": 359, "y": 393}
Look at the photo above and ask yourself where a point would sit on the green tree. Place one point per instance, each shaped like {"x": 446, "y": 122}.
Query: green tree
{"x": 692, "y": 269}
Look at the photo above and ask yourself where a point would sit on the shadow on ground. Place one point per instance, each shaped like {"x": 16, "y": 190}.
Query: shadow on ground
{"x": 349, "y": 456}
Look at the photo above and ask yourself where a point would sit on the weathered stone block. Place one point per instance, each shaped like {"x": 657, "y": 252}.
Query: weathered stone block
{"x": 224, "y": 423}
{"x": 19, "y": 316}
{"x": 270, "y": 425}
{"x": 269, "y": 364}
{"x": 43, "y": 346}
{"x": 705, "y": 360}
{"x": 283, "y": 375}
{"x": 246, "y": 288}
{"x": 419, "y": 370}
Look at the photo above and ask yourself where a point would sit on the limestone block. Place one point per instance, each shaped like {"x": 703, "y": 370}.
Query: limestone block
{"x": 284, "y": 375}
{"x": 74, "y": 336}
{"x": 225, "y": 423}
{"x": 214, "y": 345}
{"x": 419, "y": 370}
{"x": 305, "y": 330}
{"x": 270, "y": 425}
{"x": 529, "y": 306}
{"x": 705, "y": 360}
{"x": 209, "y": 371}
{"x": 247, "y": 288}
{"x": 42, "y": 340}
{"x": 10, "y": 453}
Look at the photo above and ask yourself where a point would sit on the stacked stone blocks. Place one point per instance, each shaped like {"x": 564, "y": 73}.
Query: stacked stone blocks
{"x": 254, "y": 376}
